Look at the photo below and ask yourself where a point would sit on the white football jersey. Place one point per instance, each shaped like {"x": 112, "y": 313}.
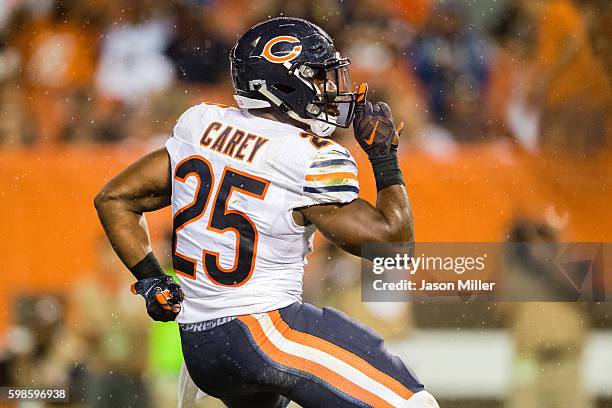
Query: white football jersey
{"x": 236, "y": 180}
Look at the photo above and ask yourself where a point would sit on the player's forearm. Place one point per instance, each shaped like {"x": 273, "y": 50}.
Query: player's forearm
{"x": 142, "y": 187}
{"x": 394, "y": 205}
{"x": 126, "y": 230}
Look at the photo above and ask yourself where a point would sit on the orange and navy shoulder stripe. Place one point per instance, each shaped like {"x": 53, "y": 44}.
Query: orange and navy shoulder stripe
{"x": 332, "y": 170}
{"x": 342, "y": 372}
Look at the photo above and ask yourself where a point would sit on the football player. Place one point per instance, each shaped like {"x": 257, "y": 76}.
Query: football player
{"x": 248, "y": 186}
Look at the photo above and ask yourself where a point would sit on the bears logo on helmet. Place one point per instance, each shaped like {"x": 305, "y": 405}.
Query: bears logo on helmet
{"x": 271, "y": 56}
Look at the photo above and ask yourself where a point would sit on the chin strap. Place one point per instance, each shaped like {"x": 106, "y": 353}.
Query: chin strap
{"x": 317, "y": 127}
{"x": 321, "y": 129}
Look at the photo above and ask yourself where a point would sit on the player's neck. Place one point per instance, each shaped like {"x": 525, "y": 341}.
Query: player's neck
{"x": 273, "y": 114}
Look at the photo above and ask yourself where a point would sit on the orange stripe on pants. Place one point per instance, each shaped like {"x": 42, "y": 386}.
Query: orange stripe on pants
{"x": 310, "y": 367}
{"x": 349, "y": 358}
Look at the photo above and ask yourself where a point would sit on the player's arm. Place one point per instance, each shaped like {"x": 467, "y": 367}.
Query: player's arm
{"x": 144, "y": 186}
{"x": 351, "y": 225}
{"x": 354, "y": 224}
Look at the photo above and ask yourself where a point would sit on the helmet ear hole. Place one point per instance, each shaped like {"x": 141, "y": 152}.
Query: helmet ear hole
{"x": 284, "y": 88}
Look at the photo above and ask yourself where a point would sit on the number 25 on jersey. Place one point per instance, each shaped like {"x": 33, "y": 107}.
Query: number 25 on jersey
{"x": 221, "y": 220}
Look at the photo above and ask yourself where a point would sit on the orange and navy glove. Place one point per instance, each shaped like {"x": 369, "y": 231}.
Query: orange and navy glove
{"x": 163, "y": 297}
{"x": 376, "y": 134}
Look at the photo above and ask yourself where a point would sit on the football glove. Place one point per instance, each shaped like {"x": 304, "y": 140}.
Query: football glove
{"x": 163, "y": 297}
{"x": 373, "y": 126}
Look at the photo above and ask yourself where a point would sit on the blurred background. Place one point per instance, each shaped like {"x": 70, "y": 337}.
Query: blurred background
{"x": 507, "y": 111}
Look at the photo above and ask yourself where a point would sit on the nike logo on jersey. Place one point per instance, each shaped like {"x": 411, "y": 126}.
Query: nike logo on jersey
{"x": 232, "y": 142}
{"x": 370, "y": 139}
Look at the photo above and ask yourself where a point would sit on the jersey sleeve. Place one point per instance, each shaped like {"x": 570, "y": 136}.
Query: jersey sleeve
{"x": 331, "y": 177}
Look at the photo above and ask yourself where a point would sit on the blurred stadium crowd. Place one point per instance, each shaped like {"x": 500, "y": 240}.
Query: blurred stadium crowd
{"x": 528, "y": 74}
{"x": 111, "y": 71}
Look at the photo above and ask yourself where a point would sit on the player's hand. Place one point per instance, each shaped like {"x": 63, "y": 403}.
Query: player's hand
{"x": 163, "y": 297}
{"x": 373, "y": 126}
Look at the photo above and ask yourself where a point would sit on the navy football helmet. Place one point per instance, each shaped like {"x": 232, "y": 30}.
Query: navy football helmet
{"x": 292, "y": 65}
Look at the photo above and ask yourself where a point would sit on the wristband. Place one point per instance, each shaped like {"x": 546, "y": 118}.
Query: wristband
{"x": 386, "y": 170}
{"x": 147, "y": 268}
